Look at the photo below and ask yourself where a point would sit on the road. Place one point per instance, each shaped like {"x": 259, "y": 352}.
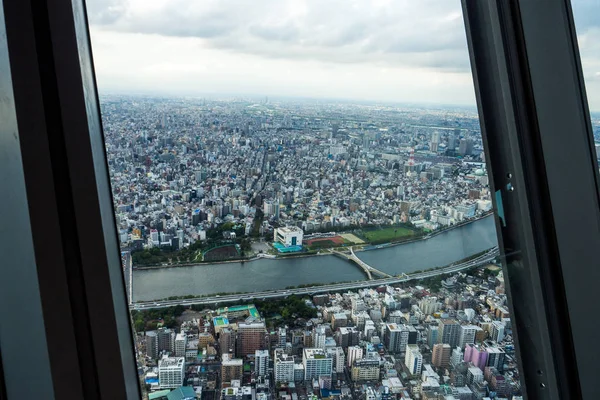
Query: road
{"x": 270, "y": 294}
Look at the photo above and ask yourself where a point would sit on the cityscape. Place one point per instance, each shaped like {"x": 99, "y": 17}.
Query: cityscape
{"x": 257, "y": 189}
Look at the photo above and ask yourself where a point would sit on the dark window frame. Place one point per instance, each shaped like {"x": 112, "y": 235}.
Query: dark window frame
{"x": 64, "y": 292}
{"x": 530, "y": 93}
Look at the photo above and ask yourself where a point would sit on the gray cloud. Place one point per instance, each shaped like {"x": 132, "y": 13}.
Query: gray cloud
{"x": 426, "y": 33}
{"x": 368, "y": 37}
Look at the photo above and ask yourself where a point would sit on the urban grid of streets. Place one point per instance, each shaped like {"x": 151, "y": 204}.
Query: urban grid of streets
{"x": 199, "y": 180}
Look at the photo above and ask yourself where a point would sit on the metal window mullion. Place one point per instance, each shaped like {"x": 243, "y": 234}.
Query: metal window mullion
{"x": 85, "y": 322}
{"x": 98, "y": 245}
{"x": 22, "y": 333}
{"x": 518, "y": 167}
{"x": 566, "y": 140}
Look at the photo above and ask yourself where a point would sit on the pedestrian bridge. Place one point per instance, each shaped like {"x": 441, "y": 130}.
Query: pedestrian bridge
{"x": 370, "y": 271}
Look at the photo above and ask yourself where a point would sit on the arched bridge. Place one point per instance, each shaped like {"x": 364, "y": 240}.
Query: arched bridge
{"x": 370, "y": 271}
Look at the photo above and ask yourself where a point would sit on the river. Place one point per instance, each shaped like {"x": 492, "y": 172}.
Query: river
{"x": 265, "y": 274}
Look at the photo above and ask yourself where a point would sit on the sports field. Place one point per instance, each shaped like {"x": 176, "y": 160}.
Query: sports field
{"x": 387, "y": 234}
{"x": 321, "y": 243}
{"x": 221, "y": 253}
{"x": 352, "y": 238}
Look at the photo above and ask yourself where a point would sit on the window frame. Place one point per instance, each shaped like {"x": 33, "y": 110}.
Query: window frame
{"x": 524, "y": 107}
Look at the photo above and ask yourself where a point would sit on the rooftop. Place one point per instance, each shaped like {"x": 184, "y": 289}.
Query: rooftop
{"x": 227, "y": 361}
{"x": 182, "y": 393}
{"x": 290, "y": 229}
{"x": 159, "y": 394}
{"x": 250, "y": 308}
{"x": 220, "y": 321}
{"x": 171, "y": 362}
{"x": 314, "y": 353}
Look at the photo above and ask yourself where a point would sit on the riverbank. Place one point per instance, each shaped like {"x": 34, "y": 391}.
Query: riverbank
{"x": 265, "y": 274}
{"x": 196, "y": 264}
{"x": 366, "y": 247}
{"x": 424, "y": 237}
{"x": 426, "y": 274}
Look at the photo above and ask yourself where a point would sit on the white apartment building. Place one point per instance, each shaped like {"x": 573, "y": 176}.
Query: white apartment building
{"x": 316, "y": 363}
{"x": 180, "y": 344}
{"x": 171, "y": 372}
{"x": 261, "y": 362}
{"x": 413, "y": 359}
{"x": 284, "y": 366}
{"x": 467, "y": 335}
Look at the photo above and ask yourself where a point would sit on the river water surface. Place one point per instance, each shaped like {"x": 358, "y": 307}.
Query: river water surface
{"x": 265, "y": 274}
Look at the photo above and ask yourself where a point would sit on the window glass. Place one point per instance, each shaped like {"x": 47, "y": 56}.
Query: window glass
{"x": 302, "y": 198}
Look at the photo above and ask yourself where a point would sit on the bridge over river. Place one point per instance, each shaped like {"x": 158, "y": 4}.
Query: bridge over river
{"x": 370, "y": 271}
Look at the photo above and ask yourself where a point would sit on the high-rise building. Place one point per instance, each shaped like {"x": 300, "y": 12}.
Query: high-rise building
{"x": 476, "y": 355}
{"x": 467, "y": 335}
{"x": 456, "y": 357}
{"x": 432, "y": 335}
{"x": 261, "y": 362}
{"x": 354, "y": 353}
{"x": 449, "y": 332}
{"x": 180, "y": 344}
{"x": 496, "y": 357}
{"x": 227, "y": 340}
{"x": 152, "y": 344}
{"x": 452, "y": 142}
{"x": 166, "y": 340}
{"x": 441, "y": 355}
{"x": 283, "y": 366}
{"x": 465, "y": 148}
{"x": 339, "y": 358}
{"x": 347, "y": 336}
{"x": 250, "y": 337}
{"x": 205, "y": 339}
{"x": 316, "y": 363}
{"x": 298, "y": 372}
{"x": 413, "y": 359}
{"x": 365, "y": 370}
{"x": 171, "y": 372}
{"x": 398, "y": 336}
{"x": 276, "y": 209}
{"x": 429, "y": 305}
{"x": 338, "y": 320}
{"x": 268, "y": 208}
{"x": 281, "y": 337}
{"x": 370, "y": 330}
{"x": 319, "y": 335}
{"x": 474, "y": 374}
{"x": 231, "y": 368}
{"x": 497, "y": 331}
{"x": 435, "y": 141}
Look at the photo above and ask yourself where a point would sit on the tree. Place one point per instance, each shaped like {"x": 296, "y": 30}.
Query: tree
{"x": 139, "y": 325}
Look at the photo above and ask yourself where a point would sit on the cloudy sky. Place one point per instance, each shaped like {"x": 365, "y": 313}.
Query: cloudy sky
{"x": 386, "y": 50}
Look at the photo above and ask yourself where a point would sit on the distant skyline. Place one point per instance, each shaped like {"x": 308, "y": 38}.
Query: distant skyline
{"x": 401, "y": 51}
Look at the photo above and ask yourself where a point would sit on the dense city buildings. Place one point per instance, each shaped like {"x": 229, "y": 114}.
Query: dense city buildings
{"x": 196, "y": 180}
{"x": 311, "y": 357}
{"x": 206, "y": 181}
